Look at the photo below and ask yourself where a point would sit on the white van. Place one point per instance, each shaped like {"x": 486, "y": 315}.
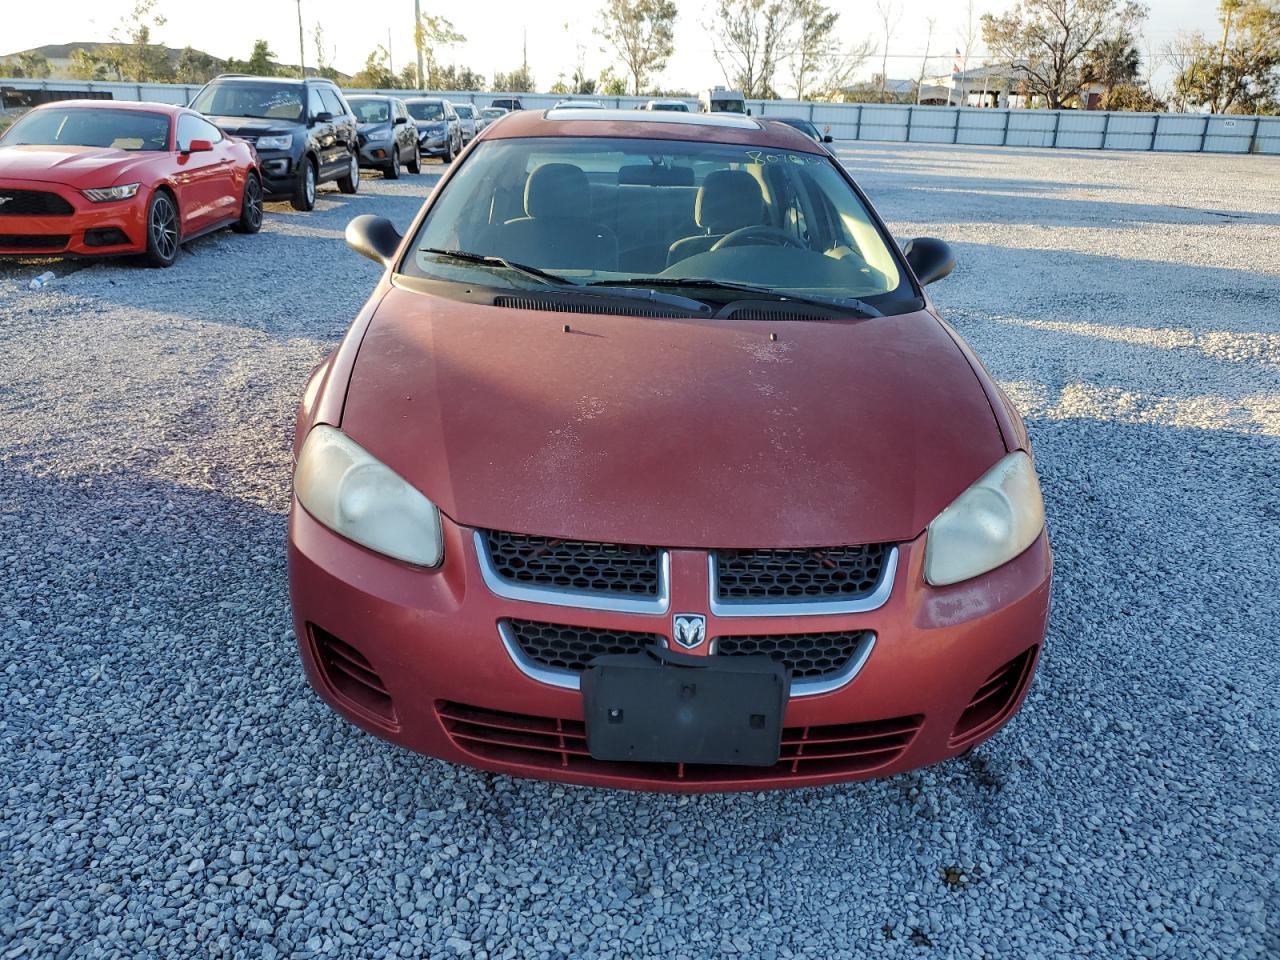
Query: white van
{"x": 720, "y": 100}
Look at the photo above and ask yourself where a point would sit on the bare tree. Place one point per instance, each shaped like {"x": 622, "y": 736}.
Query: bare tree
{"x": 1048, "y": 40}
{"x": 890, "y": 16}
{"x": 815, "y": 42}
{"x": 642, "y": 32}
{"x": 750, "y": 40}
{"x": 924, "y": 64}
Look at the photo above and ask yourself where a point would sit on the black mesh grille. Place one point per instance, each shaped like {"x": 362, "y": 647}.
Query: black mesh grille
{"x": 826, "y": 573}
{"x": 33, "y": 203}
{"x": 808, "y": 655}
{"x": 574, "y": 564}
{"x": 21, "y": 241}
{"x": 564, "y": 647}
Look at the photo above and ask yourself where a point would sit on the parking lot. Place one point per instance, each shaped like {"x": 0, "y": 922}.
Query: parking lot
{"x": 172, "y": 787}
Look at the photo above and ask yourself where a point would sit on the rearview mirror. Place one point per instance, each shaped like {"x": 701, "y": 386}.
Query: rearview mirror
{"x": 373, "y": 237}
{"x": 930, "y": 259}
{"x": 198, "y": 146}
{"x": 400, "y": 120}
{"x": 826, "y": 138}
{"x": 324, "y": 116}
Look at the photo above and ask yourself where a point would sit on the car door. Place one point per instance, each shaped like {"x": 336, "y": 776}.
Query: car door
{"x": 406, "y": 134}
{"x": 344, "y": 128}
{"x": 320, "y": 123}
{"x": 199, "y": 177}
{"x": 454, "y": 126}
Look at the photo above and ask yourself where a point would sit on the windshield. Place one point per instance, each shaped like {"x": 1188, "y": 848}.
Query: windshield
{"x": 426, "y": 111}
{"x": 492, "y": 113}
{"x": 597, "y": 210}
{"x": 804, "y": 126}
{"x": 463, "y": 111}
{"x": 91, "y": 127}
{"x": 262, "y": 101}
{"x": 728, "y": 106}
{"x": 677, "y": 107}
{"x": 370, "y": 111}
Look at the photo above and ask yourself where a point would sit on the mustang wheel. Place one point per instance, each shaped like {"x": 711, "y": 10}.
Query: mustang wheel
{"x": 251, "y": 208}
{"x": 162, "y": 231}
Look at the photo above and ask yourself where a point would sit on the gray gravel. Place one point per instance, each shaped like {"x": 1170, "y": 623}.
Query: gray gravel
{"x": 171, "y": 787}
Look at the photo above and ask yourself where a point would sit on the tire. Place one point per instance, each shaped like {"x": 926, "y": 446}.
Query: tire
{"x": 392, "y": 170}
{"x": 163, "y": 225}
{"x": 304, "y": 194}
{"x": 251, "y": 207}
{"x": 448, "y": 152}
{"x": 351, "y": 182}
{"x": 415, "y": 165}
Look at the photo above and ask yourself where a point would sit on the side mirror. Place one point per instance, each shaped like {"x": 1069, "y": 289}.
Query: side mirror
{"x": 826, "y": 138}
{"x": 324, "y": 116}
{"x": 400, "y": 120}
{"x": 373, "y": 237}
{"x": 198, "y": 146}
{"x": 930, "y": 259}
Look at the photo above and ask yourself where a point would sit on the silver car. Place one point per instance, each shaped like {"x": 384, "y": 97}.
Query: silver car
{"x": 489, "y": 114}
{"x": 467, "y": 121}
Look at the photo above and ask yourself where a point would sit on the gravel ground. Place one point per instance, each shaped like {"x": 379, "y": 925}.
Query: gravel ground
{"x": 171, "y": 787}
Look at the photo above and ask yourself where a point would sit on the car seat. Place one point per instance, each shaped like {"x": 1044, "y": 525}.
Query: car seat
{"x": 726, "y": 201}
{"x": 556, "y": 230}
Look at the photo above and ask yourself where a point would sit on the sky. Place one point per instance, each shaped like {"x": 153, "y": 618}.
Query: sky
{"x": 497, "y": 29}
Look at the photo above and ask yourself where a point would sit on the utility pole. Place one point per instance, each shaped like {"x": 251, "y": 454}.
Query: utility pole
{"x": 524, "y": 52}
{"x": 417, "y": 37}
{"x": 391, "y": 61}
{"x": 302, "y": 45}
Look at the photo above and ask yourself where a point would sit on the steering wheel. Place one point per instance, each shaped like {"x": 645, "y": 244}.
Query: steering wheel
{"x": 757, "y": 231}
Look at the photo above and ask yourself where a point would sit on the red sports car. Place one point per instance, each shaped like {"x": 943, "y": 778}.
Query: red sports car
{"x": 103, "y": 178}
{"x": 649, "y": 464}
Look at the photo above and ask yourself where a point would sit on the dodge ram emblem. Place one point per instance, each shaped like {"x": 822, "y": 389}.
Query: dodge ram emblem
{"x": 689, "y": 629}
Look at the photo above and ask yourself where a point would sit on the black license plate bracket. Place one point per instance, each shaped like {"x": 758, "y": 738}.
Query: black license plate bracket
{"x": 683, "y": 709}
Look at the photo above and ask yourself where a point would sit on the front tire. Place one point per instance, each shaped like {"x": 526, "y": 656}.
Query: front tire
{"x": 162, "y": 230}
{"x": 304, "y": 194}
{"x": 350, "y": 183}
{"x": 392, "y": 170}
{"x": 448, "y": 151}
{"x": 415, "y": 165}
{"x": 251, "y": 207}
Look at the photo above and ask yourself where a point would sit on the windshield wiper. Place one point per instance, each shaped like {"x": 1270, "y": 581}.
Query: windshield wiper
{"x": 703, "y": 283}
{"x": 465, "y": 257}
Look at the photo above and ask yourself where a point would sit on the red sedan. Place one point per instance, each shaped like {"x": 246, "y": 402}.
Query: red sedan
{"x": 650, "y": 464}
{"x": 103, "y": 178}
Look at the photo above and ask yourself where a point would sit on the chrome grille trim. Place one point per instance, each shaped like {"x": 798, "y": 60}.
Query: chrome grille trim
{"x": 800, "y": 608}
{"x": 569, "y": 680}
{"x": 566, "y": 597}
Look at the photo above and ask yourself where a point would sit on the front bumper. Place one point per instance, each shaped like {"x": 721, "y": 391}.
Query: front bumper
{"x": 433, "y": 145}
{"x": 431, "y": 640}
{"x": 90, "y": 230}
{"x": 377, "y": 154}
{"x": 279, "y": 171}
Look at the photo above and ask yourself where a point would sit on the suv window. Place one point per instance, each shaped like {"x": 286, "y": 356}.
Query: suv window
{"x": 263, "y": 101}
{"x": 315, "y": 106}
{"x": 332, "y": 102}
{"x": 191, "y": 127}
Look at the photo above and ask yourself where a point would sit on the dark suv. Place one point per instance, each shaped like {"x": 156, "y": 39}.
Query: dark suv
{"x": 303, "y": 130}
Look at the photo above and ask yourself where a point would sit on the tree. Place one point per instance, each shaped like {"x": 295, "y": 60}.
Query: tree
{"x": 457, "y": 78}
{"x": 133, "y": 55}
{"x": 261, "y": 62}
{"x": 85, "y": 66}
{"x": 519, "y": 80}
{"x": 324, "y": 56}
{"x": 890, "y": 17}
{"x": 642, "y": 32}
{"x": 34, "y": 64}
{"x": 195, "y": 66}
{"x": 376, "y": 74}
{"x": 750, "y": 39}
{"x": 815, "y": 43}
{"x": 1112, "y": 62}
{"x": 1242, "y": 71}
{"x": 429, "y": 33}
{"x": 1048, "y": 41}
{"x": 612, "y": 85}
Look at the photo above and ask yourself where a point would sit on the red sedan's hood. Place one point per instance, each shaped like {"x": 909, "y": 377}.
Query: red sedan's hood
{"x": 680, "y": 433}
{"x": 75, "y": 166}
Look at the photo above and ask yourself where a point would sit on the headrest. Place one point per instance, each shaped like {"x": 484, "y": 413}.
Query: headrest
{"x": 655, "y": 175}
{"x": 727, "y": 200}
{"x": 556, "y": 190}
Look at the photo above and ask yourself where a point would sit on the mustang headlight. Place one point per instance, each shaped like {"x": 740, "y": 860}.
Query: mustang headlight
{"x": 987, "y": 525}
{"x": 364, "y": 500}
{"x": 103, "y": 194}
{"x": 281, "y": 141}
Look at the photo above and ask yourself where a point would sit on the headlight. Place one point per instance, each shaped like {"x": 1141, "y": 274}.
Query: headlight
{"x": 103, "y": 194}
{"x": 987, "y": 525}
{"x": 282, "y": 141}
{"x": 364, "y": 500}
